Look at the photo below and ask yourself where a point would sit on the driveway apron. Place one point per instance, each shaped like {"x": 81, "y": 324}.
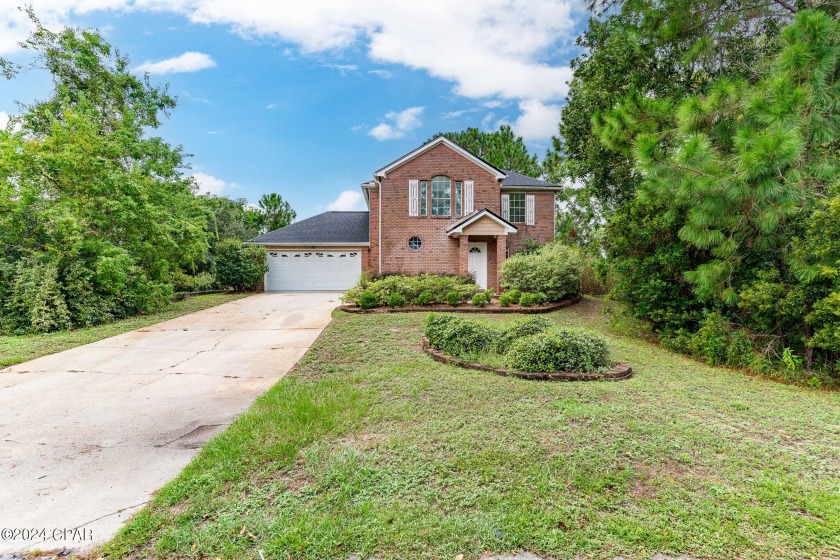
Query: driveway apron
{"x": 89, "y": 434}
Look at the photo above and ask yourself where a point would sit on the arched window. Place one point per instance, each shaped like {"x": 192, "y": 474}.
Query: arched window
{"x": 441, "y": 196}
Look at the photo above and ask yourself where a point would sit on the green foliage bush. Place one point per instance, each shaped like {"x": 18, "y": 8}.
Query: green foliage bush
{"x": 555, "y": 270}
{"x": 182, "y": 282}
{"x": 367, "y": 300}
{"x": 453, "y": 298}
{"x": 458, "y": 336}
{"x": 521, "y": 328}
{"x": 559, "y": 349}
{"x": 528, "y": 344}
{"x": 396, "y": 300}
{"x": 238, "y": 266}
{"x": 526, "y": 299}
{"x": 436, "y": 287}
{"x": 423, "y": 298}
{"x": 508, "y": 297}
{"x": 479, "y": 300}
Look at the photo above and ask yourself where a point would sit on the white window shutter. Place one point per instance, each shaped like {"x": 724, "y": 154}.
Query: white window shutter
{"x": 529, "y": 209}
{"x": 413, "y": 198}
{"x": 468, "y": 197}
{"x": 506, "y": 207}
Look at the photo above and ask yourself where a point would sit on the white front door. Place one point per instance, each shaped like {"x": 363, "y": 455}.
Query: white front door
{"x": 477, "y": 262}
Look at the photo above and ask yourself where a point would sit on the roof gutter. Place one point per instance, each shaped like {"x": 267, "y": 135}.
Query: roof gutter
{"x": 310, "y": 244}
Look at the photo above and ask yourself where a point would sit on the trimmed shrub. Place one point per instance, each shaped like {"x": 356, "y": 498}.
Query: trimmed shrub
{"x": 396, "y": 300}
{"x": 458, "y": 336}
{"x": 521, "y": 328}
{"x": 526, "y": 299}
{"x": 411, "y": 287}
{"x": 559, "y": 349}
{"x": 479, "y": 300}
{"x": 539, "y": 298}
{"x": 368, "y": 301}
{"x": 508, "y": 297}
{"x": 238, "y": 266}
{"x": 423, "y": 299}
{"x": 554, "y": 270}
{"x": 453, "y": 298}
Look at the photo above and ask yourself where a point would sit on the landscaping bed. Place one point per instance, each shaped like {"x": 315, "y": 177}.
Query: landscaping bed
{"x": 617, "y": 373}
{"x": 493, "y": 307}
{"x": 529, "y": 348}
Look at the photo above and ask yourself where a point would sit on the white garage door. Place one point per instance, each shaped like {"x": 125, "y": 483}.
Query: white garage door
{"x": 312, "y": 270}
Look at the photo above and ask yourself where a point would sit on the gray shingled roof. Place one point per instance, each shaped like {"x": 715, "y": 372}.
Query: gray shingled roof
{"x": 329, "y": 227}
{"x": 514, "y": 179}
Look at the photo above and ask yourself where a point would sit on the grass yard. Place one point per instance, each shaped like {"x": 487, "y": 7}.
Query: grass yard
{"x": 370, "y": 448}
{"x": 18, "y": 349}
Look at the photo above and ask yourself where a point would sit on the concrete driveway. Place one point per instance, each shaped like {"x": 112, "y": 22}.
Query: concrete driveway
{"x": 88, "y": 434}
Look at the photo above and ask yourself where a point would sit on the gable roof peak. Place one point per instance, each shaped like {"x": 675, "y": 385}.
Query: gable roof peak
{"x": 383, "y": 172}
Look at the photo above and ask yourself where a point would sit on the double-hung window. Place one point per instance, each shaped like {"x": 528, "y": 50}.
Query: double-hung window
{"x": 441, "y": 196}
{"x": 517, "y": 208}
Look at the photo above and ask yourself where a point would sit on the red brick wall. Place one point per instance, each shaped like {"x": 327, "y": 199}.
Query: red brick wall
{"x": 439, "y": 253}
{"x": 371, "y": 265}
{"x": 543, "y": 228}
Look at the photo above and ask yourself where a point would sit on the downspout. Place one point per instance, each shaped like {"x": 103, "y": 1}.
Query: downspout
{"x": 379, "y": 243}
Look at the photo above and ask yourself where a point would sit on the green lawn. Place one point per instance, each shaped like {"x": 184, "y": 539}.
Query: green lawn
{"x": 369, "y": 447}
{"x": 17, "y": 349}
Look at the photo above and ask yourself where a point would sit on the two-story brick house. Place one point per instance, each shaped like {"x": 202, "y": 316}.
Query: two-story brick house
{"x": 437, "y": 209}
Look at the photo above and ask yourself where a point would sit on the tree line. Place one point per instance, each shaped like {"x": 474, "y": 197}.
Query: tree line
{"x": 98, "y": 218}
{"x": 708, "y": 174}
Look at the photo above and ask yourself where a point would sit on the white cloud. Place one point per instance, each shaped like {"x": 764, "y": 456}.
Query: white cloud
{"x": 402, "y": 123}
{"x": 187, "y": 62}
{"x": 496, "y": 49}
{"x": 386, "y": 74}
{"x": 453, "y": 114}
{"x": 271, "y": 106}
{"x": 209, "y": 184}
{"x": 487, "y": 123}
{"x": 343, "y": 69}
{"x": 537, "y": 121}
{"x": 347, "y": 200}
{"x": 4, "y": 119}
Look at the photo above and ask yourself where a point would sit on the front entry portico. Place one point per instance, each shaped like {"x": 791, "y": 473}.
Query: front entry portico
{"x": 482, "y": 244}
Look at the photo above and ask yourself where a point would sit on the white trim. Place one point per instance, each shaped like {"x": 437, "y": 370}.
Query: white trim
{"x": 497, "y": 173}
{"x": 460, "y": 229}
{"x": 506, "y": 207}
{"x": 469, "y": 197}
{"x": 530, "y": 210}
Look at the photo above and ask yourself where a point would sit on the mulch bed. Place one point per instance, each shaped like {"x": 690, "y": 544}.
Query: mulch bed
{"x": 617, "y": 373}
{"x": 493, "y": 307}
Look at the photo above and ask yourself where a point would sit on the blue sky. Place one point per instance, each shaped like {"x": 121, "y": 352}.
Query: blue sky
{"x": 308, "y": 99}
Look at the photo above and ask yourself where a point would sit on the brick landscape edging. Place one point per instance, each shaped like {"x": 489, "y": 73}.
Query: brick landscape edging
{"x": 619, "y": 372}
{"x": 466, "y": 308}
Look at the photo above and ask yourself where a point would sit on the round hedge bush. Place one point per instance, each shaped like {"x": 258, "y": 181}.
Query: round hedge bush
{"x": 559, "y": 349}
{"x": 521, "y": 328}
{"x": 458, "y": 336}
{"x": 554, "y": 270}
